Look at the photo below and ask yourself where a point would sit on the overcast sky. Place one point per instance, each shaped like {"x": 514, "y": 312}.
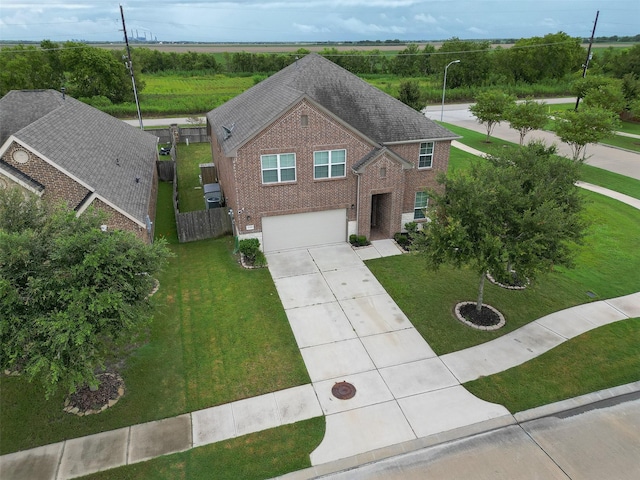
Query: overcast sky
{"x": 313, "y": 20}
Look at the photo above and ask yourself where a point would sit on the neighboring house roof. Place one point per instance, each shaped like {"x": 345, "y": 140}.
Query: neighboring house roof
{"x": 377, "y": 115}
{"x": 100, "y": 151}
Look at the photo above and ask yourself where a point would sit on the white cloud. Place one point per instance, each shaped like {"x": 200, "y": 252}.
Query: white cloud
{"x": 356, "y": 25}
{"x": 421, "y": 17}
{"x": 477, "y": 30}
{"x": 549, "y": 22}
{"x": 310, "y": 28}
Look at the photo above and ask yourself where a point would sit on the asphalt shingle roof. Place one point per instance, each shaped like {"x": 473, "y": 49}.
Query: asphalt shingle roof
{"x": 98, "y": 149}
{"x": 377, "y": 115}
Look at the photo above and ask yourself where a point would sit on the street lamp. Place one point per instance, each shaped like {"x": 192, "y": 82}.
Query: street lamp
{"x": 444, "y": 86}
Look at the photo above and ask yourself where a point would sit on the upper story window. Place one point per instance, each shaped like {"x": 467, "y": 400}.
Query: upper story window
{"x": 278, "y": 168}
{"x": 329, "y": 163}
{"x": 425, "y": 159}
{"x": 420, "y": 205}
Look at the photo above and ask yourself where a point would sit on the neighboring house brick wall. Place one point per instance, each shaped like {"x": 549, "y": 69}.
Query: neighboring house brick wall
{"x": 115, "y": 220}
{"x": 287, "y": 135}
{"x": 58, "y": 186}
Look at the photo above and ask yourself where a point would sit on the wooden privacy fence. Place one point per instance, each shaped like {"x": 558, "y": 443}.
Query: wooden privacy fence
{"x": 198, "y": 225}
{"x": 203, "y": 224}
{"x": 166, "y": 170}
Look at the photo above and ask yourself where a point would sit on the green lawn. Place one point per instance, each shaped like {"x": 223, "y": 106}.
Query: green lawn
{"x": 607, "y": 264}
{"x": 602, "y": 358}
{"x": 219, "y": 334}
{"x": 628, "y": 143}
{"x": 261, "y": 455}
{"x": 189, "y": 158}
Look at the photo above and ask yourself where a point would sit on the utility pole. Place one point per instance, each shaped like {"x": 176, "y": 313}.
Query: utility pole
{"x": 129, "y": 66}
{"x": 586, "y": 62}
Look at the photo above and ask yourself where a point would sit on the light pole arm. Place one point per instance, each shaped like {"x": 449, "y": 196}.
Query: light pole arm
{"x": 444, "y": 86}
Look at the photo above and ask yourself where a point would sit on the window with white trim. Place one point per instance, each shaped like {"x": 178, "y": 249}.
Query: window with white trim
{"x": 329, "y": 163}
{"x": 420, "y": 205}
{"x": 277, "y": 168}
{"x": 425, "y": 159}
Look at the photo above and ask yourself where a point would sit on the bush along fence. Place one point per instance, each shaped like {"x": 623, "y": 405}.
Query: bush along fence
{"x": 198, "y": 225}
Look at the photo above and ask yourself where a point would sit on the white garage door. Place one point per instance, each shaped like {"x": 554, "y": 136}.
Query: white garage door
{"x": 284, "y": 232}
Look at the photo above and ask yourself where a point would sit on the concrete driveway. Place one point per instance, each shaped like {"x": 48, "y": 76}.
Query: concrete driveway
{"x": 349, "y": 329}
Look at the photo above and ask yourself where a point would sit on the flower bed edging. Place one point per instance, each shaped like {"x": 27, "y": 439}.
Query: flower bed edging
{"x": 497, "y": 326}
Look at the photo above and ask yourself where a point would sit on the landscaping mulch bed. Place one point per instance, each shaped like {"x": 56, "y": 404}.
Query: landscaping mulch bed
{"x": 488, "y": 318}
{"x": 86, "y": 402}
{"x": 484, "y": 318}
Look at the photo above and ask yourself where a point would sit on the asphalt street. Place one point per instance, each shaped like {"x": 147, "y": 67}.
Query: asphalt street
{"x": 615, "y": 160}
{"x": 600, "y": 442}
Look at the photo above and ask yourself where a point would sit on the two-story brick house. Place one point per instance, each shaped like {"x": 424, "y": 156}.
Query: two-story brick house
{"x": 313, "y": 154}
{"x": 63, "y": 150}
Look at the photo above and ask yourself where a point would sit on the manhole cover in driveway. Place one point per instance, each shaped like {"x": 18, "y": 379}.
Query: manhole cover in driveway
{"x": 343, "y": 390}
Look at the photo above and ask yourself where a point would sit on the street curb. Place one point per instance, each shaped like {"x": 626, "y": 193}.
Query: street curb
{"x": 552, "y": 409}
{"x": 564, "y": 406}
{"x": 355, "y": 461}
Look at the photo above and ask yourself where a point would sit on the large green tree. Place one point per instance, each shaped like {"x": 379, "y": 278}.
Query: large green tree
{"x": 553, "y": 56}
{"x": 491, "y": 108}
{"x": 474, "y": 66}
{"x": 69, "y": 292}
{"x": 26, "y": 68}
{"x": 519, "y": 210}
{"x": 94, "y": 72}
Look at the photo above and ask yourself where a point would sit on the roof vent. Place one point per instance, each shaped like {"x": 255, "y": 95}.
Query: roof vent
{"x": 63, "y": 90}
{"x": 228, "y": 130}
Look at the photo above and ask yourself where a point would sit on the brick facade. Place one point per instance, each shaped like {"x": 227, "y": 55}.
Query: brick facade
{"x": 306, "y": 128}
{"x": 59, "y": 187}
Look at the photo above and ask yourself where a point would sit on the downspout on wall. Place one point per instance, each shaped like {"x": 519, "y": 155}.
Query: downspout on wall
{"x": 358, "y": 205}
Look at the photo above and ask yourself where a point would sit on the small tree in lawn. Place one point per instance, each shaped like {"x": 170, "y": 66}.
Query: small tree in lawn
{"x": 527, "y": 116}
{"x": 69, "y": 292}
{"x": 491, "y": 108}
{"x": 585, "y": 126}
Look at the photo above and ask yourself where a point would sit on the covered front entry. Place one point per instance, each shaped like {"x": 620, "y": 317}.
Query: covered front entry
{"x": 284, "y": 232}
{"x": 380, "y": 216}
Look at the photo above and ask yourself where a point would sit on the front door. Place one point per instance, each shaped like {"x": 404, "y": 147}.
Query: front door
{"x": 380, "y": 216}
